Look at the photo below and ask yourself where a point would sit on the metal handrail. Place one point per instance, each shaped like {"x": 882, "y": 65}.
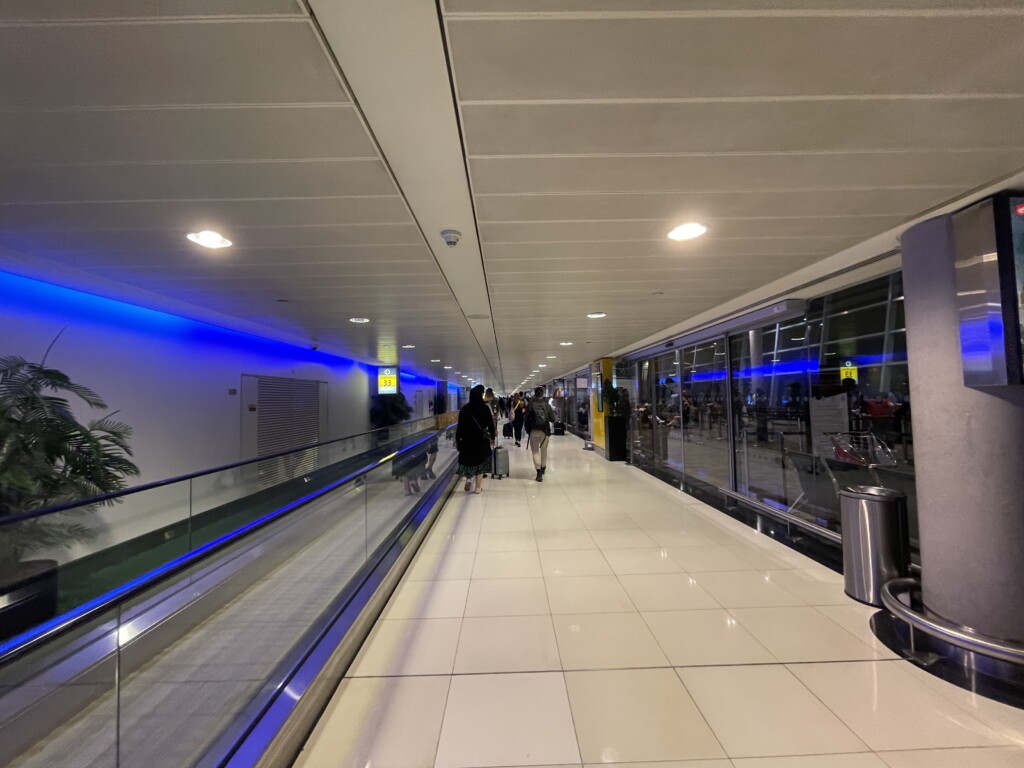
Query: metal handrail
{"x": 7, "y": 520}
{"x": 944, "y": 629}
{"x": 17, "y": 646}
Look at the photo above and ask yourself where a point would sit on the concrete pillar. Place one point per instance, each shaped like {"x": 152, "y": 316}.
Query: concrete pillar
{"x": 969, "y": 455}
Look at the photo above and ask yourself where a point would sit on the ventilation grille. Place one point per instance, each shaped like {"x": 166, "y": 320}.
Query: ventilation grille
{"x": 288, "y": 416}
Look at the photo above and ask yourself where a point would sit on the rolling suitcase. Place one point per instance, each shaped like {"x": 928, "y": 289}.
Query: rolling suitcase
{"x": 559, "y": 428}
{"x": 500, "y": 463}
{"x": 507, "y": 431}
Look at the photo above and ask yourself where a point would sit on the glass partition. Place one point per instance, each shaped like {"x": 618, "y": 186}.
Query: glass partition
{"x": 705, "y": 431}
{"x": 141, "y": 530}
{"x": 171, "y": 675}
{"x": 788, "y": 413}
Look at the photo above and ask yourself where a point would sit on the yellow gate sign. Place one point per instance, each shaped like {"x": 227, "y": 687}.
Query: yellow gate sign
{"x": 848, "y": 371}
{"x": 387, "y": 381}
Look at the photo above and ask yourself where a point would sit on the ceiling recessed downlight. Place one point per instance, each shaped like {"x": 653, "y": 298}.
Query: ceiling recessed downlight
{"x": 209, "y": 239}
{"x": 542, "y": 365}
{"x": 596, "y": 315}
{"x": 565, "y": 343}
{"x": 359, "y": 320}
{"x": 435, "y": 361}
{"x": 408, "y": 346}
{"x": 447, "y": 367}
{"x": 687, "y": 231}
{"x": 552, "y": 357}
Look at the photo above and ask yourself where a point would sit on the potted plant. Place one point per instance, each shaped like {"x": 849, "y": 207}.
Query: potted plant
{"x": 48, "y": 457}
{"x": 387, "y": 411}
{"x": 616, "y": 422}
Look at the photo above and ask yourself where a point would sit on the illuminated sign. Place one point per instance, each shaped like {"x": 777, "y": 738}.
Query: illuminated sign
{"x": 848, "y": 371}
{"x": 387, "y": 381}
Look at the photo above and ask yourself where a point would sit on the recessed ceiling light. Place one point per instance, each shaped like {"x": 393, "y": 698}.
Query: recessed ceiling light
{"x": 536, "y": 371}
{"x": 542, "y": 365}
{"x": 359, "y": 320}
{"x": 209, "y": 239}
{"x": 458, "y": 373}
{"x": 408, "y": 346}
{"x": 552, "y": 357}
{"x": 465, "y": 377}
{"x": 447, "y": 367}
{"x": 435, "y": 361}
{"x": 565, "y": 343}
{"x": 687, "y": 231}
{"x": 597, "y": 315}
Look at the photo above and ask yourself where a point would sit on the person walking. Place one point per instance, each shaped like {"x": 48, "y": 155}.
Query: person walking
{"x": 518, "y": 415}
{"x": 539, "y": 416}
{"x": 474, "y": 438}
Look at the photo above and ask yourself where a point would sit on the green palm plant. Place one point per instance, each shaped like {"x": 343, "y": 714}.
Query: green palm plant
{"x": 48, "y": 457}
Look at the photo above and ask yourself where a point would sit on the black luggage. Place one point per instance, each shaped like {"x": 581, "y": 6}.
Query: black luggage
{"x": 506, "y": 430}
{"x": 499, "y": 468}
{"x": 559, "y": 428}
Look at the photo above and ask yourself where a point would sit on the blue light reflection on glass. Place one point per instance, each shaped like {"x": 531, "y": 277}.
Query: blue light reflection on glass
{"x": 981, "y": 340}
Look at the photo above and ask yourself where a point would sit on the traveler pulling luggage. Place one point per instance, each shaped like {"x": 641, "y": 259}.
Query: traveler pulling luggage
{"x": 559, "y": 428}
{"x": 506, "y": 430}
{"x": 500, "y": 463}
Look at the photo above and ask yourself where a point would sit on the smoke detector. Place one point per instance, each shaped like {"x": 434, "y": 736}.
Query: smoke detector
{"x": 451, "y": 237}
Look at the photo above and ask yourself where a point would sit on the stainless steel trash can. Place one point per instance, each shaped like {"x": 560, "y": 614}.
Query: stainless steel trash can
{"x": 876, "y": 543}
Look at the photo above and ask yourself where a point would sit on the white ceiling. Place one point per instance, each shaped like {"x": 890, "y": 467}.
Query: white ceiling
{"x": 332, "y": 152}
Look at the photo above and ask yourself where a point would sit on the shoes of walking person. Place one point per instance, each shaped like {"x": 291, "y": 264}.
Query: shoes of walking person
{"x": 518, "y": 446}
{"x": 540, "y": 476}
{"x": 543, "y": 470}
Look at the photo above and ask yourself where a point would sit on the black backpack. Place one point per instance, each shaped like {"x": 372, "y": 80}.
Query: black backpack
{"x": 531, "y": 419}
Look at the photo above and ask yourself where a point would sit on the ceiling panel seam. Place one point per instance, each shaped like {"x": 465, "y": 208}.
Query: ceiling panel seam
{"x": 443, "y": 26}
{"x": 339, "y": 73}
{"x": 823, "y": 13}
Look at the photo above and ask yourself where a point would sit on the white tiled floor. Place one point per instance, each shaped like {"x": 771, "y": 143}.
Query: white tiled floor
{"x": 602, "y": 617}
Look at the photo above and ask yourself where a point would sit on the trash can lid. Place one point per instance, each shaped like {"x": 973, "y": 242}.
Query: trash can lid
{"x": 871, "y": 492}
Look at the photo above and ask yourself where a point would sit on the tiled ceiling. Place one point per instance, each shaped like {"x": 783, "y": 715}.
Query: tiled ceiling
{"x": 793, "y": 128}
{"x": 126, "y": 125}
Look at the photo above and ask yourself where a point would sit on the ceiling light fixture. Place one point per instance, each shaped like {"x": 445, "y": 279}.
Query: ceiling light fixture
{"x": 408, "y": 346}
{"x": 565, "y": 343}
{"x": 542, "y": 365}
{"x": 447, "y": 367}
{"x": 687, "y": 231}
{"x": 435, "y": 361}
{"x": 597, "y": 315}
{"x": 209, "y": 239}
{"x": 359, "y": 320}
{"x": 552, "y": 357}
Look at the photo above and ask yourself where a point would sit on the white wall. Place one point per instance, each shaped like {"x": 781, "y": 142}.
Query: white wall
{"x": 169, "y": 377}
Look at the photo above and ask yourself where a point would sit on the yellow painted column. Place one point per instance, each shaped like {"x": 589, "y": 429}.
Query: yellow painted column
{"x": 599, "y": 371}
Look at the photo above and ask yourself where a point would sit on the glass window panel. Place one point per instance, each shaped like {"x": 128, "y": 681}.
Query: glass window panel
{"x": 705, "y": 435}
{"x": 770, "y": 403}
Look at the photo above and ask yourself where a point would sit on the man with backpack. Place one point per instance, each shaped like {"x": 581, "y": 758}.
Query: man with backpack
{"x": 539, "y": 416}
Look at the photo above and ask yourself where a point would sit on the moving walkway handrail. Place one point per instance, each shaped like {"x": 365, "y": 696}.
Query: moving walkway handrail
{"x": 944, "y": 629}
{"x": 7, "y": 520}
{"x": 19, "y": 645}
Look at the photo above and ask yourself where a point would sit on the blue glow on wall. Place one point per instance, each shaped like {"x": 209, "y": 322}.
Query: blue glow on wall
{"x": 35, "y": 297}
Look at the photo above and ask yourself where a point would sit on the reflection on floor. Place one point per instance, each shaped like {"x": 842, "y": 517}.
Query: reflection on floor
{"x": 602, "y": 617}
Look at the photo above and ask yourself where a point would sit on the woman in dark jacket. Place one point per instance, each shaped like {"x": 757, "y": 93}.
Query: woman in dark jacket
{"x": 518, "y": 415}
{"x": 474, "y": 437}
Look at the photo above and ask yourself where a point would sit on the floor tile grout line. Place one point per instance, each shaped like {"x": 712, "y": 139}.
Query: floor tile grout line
{"x": 587, "y": 670}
